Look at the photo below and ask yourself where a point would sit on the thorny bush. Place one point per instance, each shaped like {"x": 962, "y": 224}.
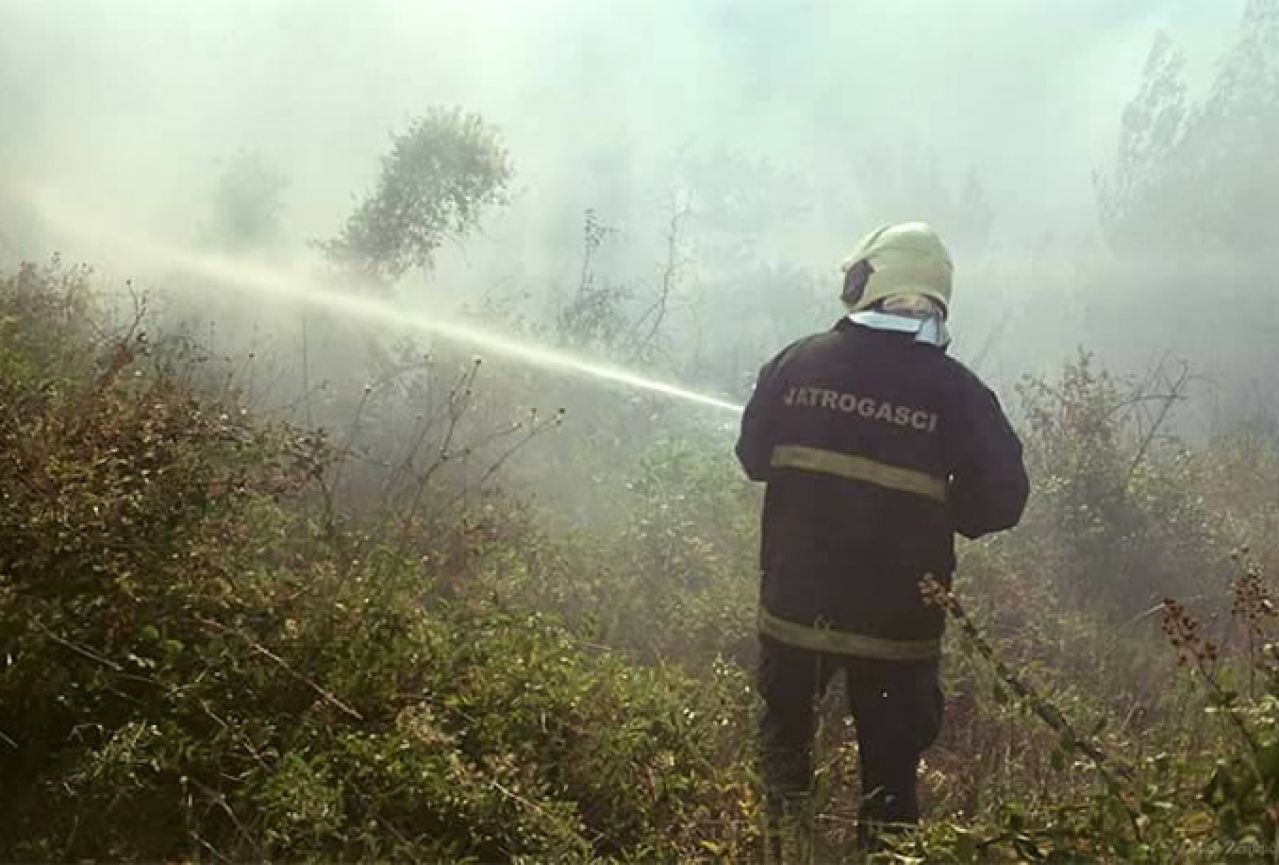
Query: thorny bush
{"x": 190, "y": 672}
{"x": 208, "y": 654}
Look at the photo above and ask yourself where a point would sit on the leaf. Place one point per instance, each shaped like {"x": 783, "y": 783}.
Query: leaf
{"x": 1268, "y": 761}
{"x": 1197, "y": 823}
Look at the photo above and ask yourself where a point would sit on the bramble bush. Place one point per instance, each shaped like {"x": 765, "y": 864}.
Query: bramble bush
{"x": 192, "y": 670}
{"x": 1118, "y": 518}
{"x": 672, "y": 571}
{"x": 228, "y": 638}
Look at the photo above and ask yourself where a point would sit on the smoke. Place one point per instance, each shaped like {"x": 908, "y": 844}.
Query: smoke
{"x": 129, "y": 95}
{"x": 283, "y": 286}
{"x": 789, "y": 127}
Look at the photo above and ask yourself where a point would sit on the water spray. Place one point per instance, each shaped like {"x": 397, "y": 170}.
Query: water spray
{"x": 254, "y": 278}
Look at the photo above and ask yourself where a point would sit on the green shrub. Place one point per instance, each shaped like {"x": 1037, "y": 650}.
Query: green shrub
{"x": 1116, "y": 517}
{"x": 213, "y": 649}
{"x": 195, "y": 668}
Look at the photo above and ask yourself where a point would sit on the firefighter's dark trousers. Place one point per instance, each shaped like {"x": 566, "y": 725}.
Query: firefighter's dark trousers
{"x": 897, "y": 707}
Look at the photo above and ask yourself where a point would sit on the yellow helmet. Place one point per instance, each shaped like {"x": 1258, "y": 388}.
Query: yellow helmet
{"x": 895, "y": 261}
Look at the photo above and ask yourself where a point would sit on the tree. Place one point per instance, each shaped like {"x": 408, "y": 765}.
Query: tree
{"x": 595, "y": 317}
{"x": 1188, "y": 211}
{"x": 436, "y": 182}
{"x": 1200, "y": 177}
{"x": 247, "y": 200}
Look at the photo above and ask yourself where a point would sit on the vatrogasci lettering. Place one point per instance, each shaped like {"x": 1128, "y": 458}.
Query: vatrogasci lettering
{"x": 863, "y": 406}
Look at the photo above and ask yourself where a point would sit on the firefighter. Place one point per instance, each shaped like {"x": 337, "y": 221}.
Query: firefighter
{"x": 876, "y": 447}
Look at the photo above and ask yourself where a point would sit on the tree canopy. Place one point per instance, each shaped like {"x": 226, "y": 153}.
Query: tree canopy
{"x": 439, "y": 177}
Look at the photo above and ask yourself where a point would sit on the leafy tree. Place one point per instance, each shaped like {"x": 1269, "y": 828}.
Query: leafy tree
{"x": 435, "y": 184}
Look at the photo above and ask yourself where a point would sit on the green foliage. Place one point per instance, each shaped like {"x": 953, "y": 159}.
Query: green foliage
{"x": 229, "y": 639}
{"x": 1192, "y": 790}
{"x": 435, "y": 184}
{"x": 671, "y": 571}
{"x": 690, "y": 547}
{"x": 195, "y": 668}
{"x": 1115, "y": 516}
{"x": 45, "y": 325}
{"x": 1242, "y": 789}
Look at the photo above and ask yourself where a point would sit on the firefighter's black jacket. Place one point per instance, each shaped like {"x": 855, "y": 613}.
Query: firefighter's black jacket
{"x": 876, "y": 449}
